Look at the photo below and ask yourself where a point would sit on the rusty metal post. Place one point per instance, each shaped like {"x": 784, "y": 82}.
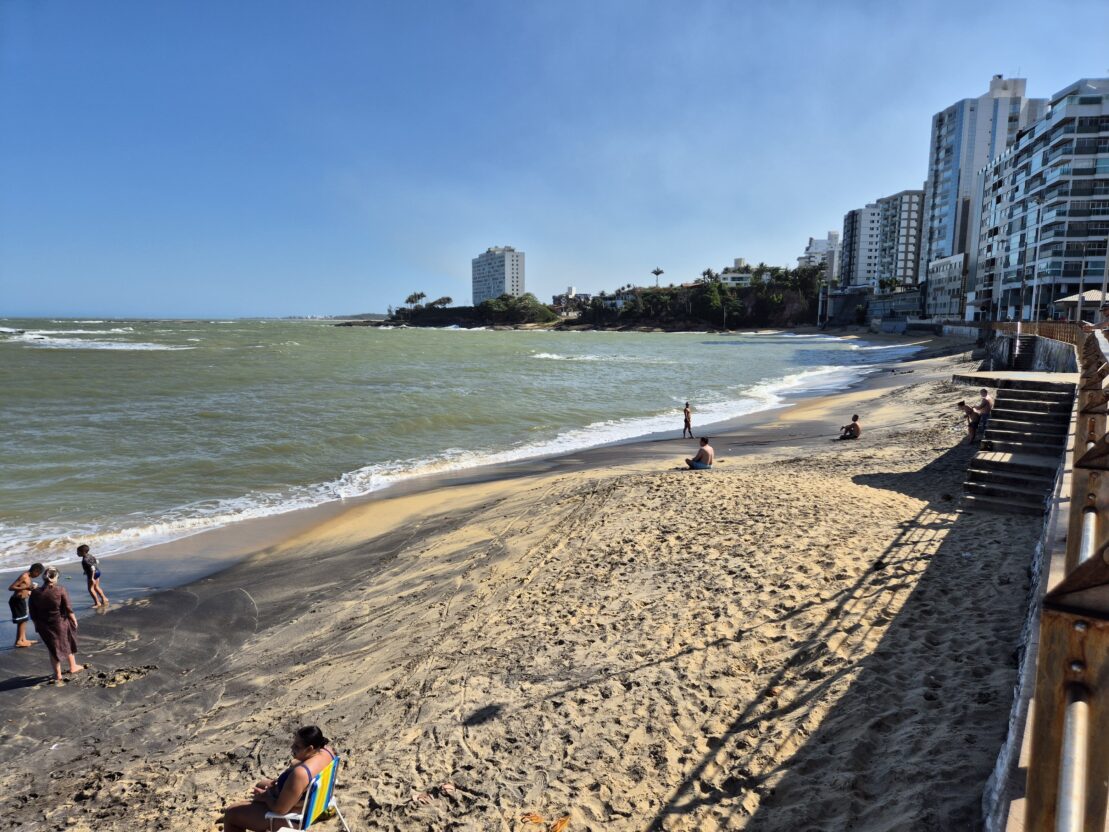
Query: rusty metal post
{"x": 1068, "y": 787}
{"x": 1086, "y": 531}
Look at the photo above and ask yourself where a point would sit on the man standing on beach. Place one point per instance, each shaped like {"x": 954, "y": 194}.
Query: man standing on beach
{"x": 688, "y": 422}
{"x": 21, "y": 611}
{"x": 704, "y": 458}
{"x": 985, "y": 407}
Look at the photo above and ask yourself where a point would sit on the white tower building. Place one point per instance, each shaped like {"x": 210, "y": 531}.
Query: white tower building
{"x": 499, "y": 271}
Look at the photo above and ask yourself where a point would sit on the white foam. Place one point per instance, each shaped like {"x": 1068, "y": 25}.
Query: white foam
{"x": 623, "y": 359}
{"x": 49, "y": 342}
{"x": 55, "y": 544}
{"x": 554, "y": 356}
{"x": 114, "y": 330}
{"x": 913, "y": 347}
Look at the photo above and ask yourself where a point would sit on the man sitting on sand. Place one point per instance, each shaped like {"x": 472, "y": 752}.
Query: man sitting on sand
{"x": 704, "y": 458}
{"x": 853, "y": 430}
{"x": 21, "y": 610}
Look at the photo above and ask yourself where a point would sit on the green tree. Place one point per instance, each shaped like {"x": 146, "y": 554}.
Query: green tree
{"x": 414, "y": 298}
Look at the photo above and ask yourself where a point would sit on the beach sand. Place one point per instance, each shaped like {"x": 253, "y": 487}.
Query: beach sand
{"x": 811, "y": 636}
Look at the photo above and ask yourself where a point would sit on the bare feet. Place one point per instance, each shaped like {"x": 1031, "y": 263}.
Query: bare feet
{"x": 59, "y": 682}
{"x": 25, "y": 643}
{"x": 76, "y": 668}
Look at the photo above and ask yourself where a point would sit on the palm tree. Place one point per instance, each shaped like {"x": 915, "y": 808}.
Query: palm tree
{"x": 414, "y": 298}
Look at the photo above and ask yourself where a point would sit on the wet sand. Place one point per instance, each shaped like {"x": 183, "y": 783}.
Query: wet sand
{"x": 811, "y": 636}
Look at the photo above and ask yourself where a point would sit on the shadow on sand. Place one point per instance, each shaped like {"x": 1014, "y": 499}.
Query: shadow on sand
{"x": 890, "y": 714}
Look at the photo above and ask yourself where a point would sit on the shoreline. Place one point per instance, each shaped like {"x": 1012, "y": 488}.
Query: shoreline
{"x": 605, "y": 636}
{"x": 139, "y": 572}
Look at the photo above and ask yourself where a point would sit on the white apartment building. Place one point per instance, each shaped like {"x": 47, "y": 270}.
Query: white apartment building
{"x": 1044, "y": 211}
{"x": 899, "y": 224}
{"x": 824, "y": 253}
{"x": 965, "y": 136}
{"x": 859, "y": 249}
{"x": 946, "y": 286}
{"x": 499, "y": 271}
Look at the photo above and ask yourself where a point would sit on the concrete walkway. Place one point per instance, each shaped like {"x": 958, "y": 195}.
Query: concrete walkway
{"x": 1010, "y": 378}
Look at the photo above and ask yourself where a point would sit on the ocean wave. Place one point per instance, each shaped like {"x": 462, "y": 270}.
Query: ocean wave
{"x": 554, "y": 356}
{"x": 913, "y": 347}
{"x": 52, "y": 544}
{"x": 32, "y": 339}
{"x": 114, "y": 331}
{"x": 622, "y": 359}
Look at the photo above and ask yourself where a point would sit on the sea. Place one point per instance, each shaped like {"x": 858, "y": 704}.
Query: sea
{"x": 126, "y": 433}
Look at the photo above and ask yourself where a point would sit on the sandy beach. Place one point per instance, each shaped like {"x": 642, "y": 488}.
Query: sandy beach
{"x": 812, "y": 636}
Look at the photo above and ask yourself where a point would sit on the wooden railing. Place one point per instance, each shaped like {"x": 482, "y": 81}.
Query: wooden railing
{"x": 1056, "y": 330}
{"x": 1068, "y": 772}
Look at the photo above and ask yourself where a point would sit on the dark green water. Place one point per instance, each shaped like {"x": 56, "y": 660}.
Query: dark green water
{"x": 124, "y": 433}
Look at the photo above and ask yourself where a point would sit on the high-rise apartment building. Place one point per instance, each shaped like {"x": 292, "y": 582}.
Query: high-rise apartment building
{"x": 1044, "y": 210}
{"x": 965, "y": 136}
{"x": 946, "y": 284}
{"x": 824, "y": 253}
{"x": 899, "y": 224}
{"x": 499, "y": 271}
{"x": 859, "y": 249}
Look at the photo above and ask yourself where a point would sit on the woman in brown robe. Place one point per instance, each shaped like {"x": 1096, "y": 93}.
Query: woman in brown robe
{"x": 55, "y": 623}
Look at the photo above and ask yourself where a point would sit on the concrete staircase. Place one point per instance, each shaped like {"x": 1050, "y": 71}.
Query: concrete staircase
{"x": 1024, "y": 353}
{"x": 1014, "y": 469}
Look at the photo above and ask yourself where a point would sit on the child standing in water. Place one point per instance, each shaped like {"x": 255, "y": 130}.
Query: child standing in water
{"x": 91, "y": 567}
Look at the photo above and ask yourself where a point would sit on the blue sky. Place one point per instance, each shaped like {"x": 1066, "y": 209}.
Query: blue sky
{"x": 274, "y": 158}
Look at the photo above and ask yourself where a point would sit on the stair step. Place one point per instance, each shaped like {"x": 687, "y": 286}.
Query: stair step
{"x": 1013, "y": 430}
{"x": 1051, "y": 420}
{"x": 1015, "y": 461}
{"x": 1006, "y": 506}
{"x": 1054, "y": 392}
{"x": 1020, "y": 478}
{"x": 1048, "y": 414}
{"x": 1005, "y": 491}
{"x": 1034, "y": 399}
{"x": 1056, "y": 427}
{"x": 1014, "y": 446}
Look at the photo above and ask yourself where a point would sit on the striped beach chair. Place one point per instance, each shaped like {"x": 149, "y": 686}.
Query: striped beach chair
{"x": 319, "y": 801}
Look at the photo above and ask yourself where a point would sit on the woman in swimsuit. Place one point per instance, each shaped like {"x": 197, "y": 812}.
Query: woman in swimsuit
{"x": 285, "y": 794}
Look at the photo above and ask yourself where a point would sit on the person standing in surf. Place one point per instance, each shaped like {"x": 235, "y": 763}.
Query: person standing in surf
{"x": 19, "y": 603}
{"x": 91, "y": 567}
{"x": 688, "y": 414}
